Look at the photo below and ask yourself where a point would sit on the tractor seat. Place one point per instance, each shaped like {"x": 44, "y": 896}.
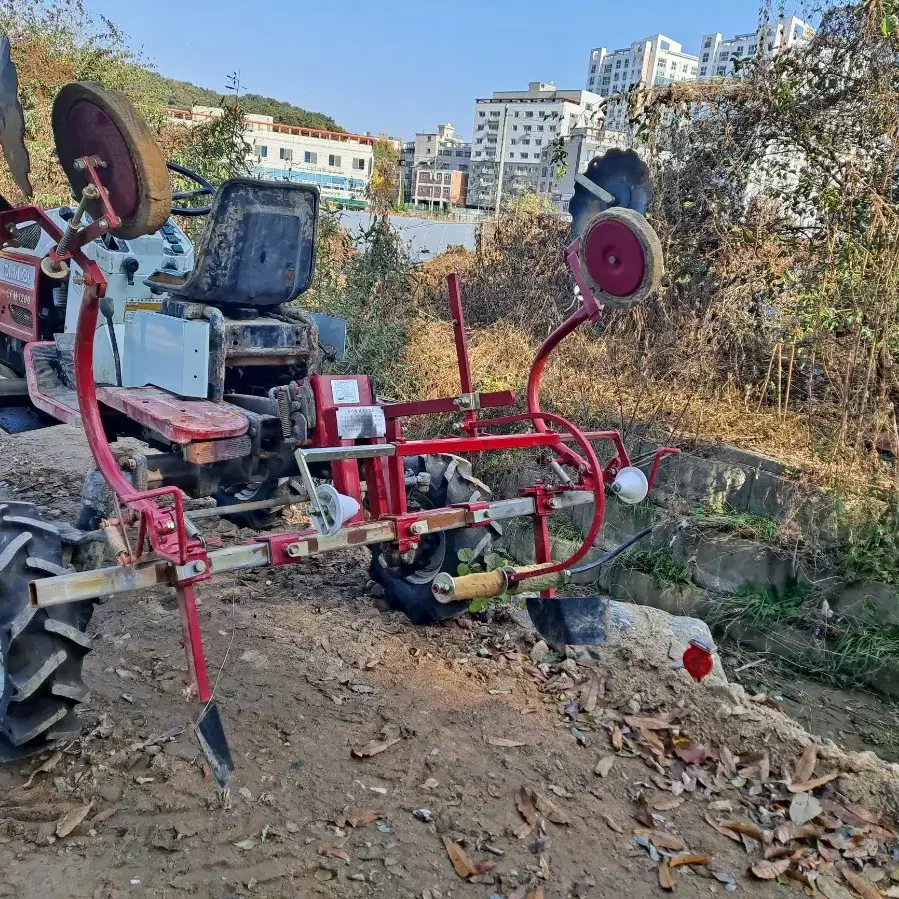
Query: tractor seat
{"x": 257, "y": 249}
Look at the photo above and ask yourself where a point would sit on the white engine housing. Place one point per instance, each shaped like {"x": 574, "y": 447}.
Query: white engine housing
{"x": 168, "y": 249}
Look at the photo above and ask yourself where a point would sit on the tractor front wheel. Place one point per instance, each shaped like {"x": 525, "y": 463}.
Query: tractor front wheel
{"x": 407, "y": 586}
{"x": 258, "y": 519}
{"x": 41, "y": 650}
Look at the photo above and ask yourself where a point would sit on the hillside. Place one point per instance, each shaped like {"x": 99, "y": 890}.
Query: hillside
{"x": 184, "y": 94}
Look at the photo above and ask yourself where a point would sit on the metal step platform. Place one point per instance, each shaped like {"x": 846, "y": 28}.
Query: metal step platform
{"x": 178, "y": 420}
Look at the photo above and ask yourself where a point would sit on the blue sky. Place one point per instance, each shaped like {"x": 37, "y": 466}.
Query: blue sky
{"x": 396, "y": 65}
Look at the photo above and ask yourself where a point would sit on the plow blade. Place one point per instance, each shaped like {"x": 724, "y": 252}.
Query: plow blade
{"x": 570, "y": 620}
{"x": 214, "y": 743}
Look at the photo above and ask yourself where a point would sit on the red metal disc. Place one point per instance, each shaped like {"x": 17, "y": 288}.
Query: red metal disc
{"x": 614, "y": 257}
{"x": 91, "y": 131}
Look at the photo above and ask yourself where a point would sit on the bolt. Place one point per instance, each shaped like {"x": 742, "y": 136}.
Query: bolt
{"x": 418, "y": 527}
{"x": 103, "y": 223}
{"x": 554, "y": 503}
{"x": 293, "y": 550}
{"x": 198, "y": 567}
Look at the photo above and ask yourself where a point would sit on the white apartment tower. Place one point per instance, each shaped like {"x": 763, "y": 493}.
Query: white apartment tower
{"x": 722, "y": 57}
{"x": 649, "y": 62}
{"x": 511, "y": 131}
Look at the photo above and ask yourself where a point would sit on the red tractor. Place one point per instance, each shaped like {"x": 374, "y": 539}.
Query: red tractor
{"x": 110, "y": 320}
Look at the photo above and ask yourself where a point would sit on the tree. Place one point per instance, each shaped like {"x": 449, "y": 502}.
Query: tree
{"x": 382, "y": 186}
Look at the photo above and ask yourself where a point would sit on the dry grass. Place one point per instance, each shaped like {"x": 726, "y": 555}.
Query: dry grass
{"x": 586, "y": 381}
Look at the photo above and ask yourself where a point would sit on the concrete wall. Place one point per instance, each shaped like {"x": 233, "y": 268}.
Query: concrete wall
{"x": 423, "y": 238}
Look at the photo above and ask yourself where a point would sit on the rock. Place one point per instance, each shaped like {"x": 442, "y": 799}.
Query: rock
{"x": 876, "y": 599}
{"x": 110, "y": 790}
{"x": 185, "y": 751}
{"x": 539, "y": 651}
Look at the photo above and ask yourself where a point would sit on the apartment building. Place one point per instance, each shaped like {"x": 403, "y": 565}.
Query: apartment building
{"x": 511, "y": 131}
{"x": 722, "y": 57}
{"x": 650, "y": 62}
{"x": 339, "y": 163}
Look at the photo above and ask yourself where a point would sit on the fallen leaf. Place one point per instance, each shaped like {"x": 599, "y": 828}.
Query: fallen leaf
{"x": 100, "y": 817}
{"x": 721, "y": 805}
{"x": 724, "y": 877}
{"x": 485, "y": 866}
{"x": 642, "y": 723}
{"x": 245, "y": 844}
{"x": 604, "y": 765}
{"x": 727, "y": 759}
{"x": 863, "y": 887}
{"x": 617, "y": 742}
{"x": 773, "y": 852}
{"x": 724, "y": 831}
{"x": 745, "y": 827}
{"x": 807, "y": 786}
{"x": 610, "y": 823}
{"x": 48, "y": 766}
{"x": 505, "y": 743}
{"x": 688, "y": 858}
{"x": 536, "y": 894}
{"x": 359, "y": 817}
{"x": 765, "y": 870}
{"x": 830, "y": 890}
{"x": 661, "y": 839}
{"x": 374, "y": 747}
{"x": 332, "y": 852}
{"x": 525, "y": 806}
{"x": 643, "y": 813}
{"x": 666, "y": 877}
{"x": 461, "y": 862}
{"x": 694, "y": 755}
{"x": 72, "y": 819}
{"x": 590, "y": 696}
{"x": 804, "y": 808}
{"x": 805, "y": 767}
{"x": 548, "y": 809}
{"x": 668, "y": 805}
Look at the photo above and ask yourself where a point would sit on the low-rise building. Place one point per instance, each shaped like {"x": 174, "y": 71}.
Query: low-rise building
{"x": 338, "y": 162}
{"x": 439, "y": 188}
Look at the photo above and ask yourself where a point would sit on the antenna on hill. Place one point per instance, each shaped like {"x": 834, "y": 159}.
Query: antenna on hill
{"x": 233, "y": 83}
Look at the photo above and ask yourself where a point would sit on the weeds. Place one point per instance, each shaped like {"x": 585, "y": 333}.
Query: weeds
{"x": 742, "y": 524}
{"x": 869, "y": 550}
{"x": 664, "y": 568}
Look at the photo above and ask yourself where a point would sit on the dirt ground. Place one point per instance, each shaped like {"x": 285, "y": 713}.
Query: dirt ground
{"x": 533, "y": 771}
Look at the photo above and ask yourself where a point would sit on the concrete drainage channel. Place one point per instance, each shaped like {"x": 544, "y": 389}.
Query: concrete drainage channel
{"x": 705, "y": 568}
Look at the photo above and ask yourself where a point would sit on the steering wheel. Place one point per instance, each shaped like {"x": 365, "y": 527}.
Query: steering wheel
{"x": 205, "y": 189}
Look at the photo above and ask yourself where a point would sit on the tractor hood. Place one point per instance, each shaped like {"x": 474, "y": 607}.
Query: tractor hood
{"x": 12, "y": 121}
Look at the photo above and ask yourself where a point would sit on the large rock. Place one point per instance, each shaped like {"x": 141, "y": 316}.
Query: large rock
{"x": 868, "y": 601}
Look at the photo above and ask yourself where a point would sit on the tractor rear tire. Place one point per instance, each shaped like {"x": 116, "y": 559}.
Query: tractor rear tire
{"x": 407, "y": 587}
{"x": 41, "y": 650}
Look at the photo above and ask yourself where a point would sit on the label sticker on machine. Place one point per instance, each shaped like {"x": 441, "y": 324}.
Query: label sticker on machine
{"x": 17, "y": 274}
{"x": 354, "y": 422}
{"x": 132, "y": 306}
{"x": 344, "y": 392}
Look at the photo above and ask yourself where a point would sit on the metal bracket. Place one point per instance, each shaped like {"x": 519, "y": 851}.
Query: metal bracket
{"x": 468, "y": 402}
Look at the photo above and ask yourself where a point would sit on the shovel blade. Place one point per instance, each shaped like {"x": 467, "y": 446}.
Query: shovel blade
{"x": 214, "y": 744}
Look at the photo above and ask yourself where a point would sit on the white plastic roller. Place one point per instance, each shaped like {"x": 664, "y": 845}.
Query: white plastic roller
{"x": 630, "y": 485}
